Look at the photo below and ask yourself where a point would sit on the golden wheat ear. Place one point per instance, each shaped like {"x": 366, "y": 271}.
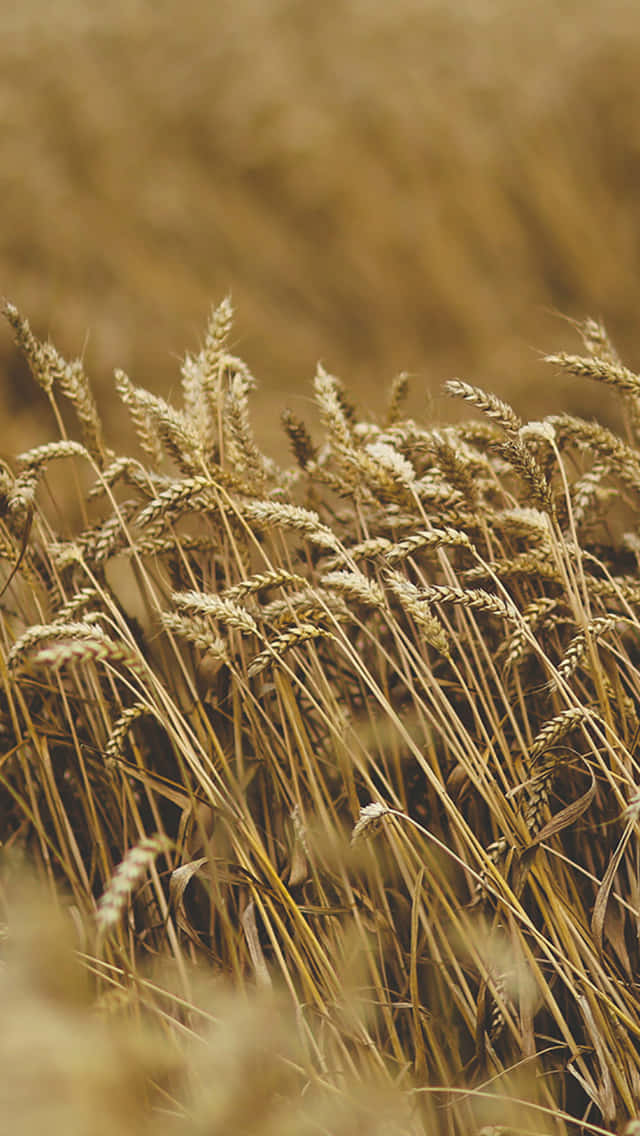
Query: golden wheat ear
{"x": 53, "y": 374}
{"x": 125, "y": 879}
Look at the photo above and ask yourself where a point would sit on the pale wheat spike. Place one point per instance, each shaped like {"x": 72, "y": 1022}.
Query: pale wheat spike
{"x": 308, "y": 606}
{"x": 125, "y": 878}
{"x": 602, "y": 370}
{"x": 22, "y": 497}
{"x": 304, "y": 451}
{"x": 538, "y": 431}
{"x": 241, "y": 446}
{"x": 215, "y": 343}
{"x": 520, "y": 457}
{"x": 332, "y": 413}
{"x": 538, "y": 796}
{"x": 523, "y": 521}
{"x": 496, "y": 851}
{"x": 592, "y": 436}
{"x": 226, "y": 612}
{"x": 478, "y": 434}
{"x": 193, "y": 394}
{"x": 65, "y": 553}
{"x": 596, "y": 340}
{"x": 365, "y": 550}
{"x": 455, "y": 464}
{"x": 589, "y": 495}
{"x": 38, "y": 457}
{"x": 387, "y": 456}
{"x": 489, "y": 404}
{"x": 369, "y": 821}
{"x": 532, "y": 615}
{"x": 156, "y": 546}
{"x": 612, "y": 455}
{"x": 368, "y": 433}
{"x": 398, "y": 392}
{"x": 301, "y": 633}
{"x": 413, "y": 602}
{"x": 578, "y": 645}
{"x": 141, "y": 417}
{"x": 180, "y": 438}
{"x": 626, "y": 586}
{"x": 98, "y": 544}
{"x": 45, "y": 364}
{"x": 75, "y": 604}
{"x": 305, "y": 521}
{"x": 554, "y": 730}
{"x": 190, "y": 493}
{"x": 121, "y": 728}
{"x": 627, "y": 469}
{"x": 524, "y": 564}
{"x": 407, "y": 436}
{"x": 382, "y": 477}
{"x": 470, "y": 597}
{"x": 356, "y": 586}
{"x": 260, "y": 581}
{"x": 95, "y": 649}
{"x": 495, "y": 1020}
{"x": 425, "y": 539}
{"x": 131, "y": 470}
{"x": 42, "y": 631}
{"x": 203, "y": 378}
{"x": 74, "y": 383}
{"x": 197, "y": 631}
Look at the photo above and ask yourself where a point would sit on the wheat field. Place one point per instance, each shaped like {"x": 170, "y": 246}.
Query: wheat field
{"x": 319, "y": 778}
{"x": 319, "y": 707}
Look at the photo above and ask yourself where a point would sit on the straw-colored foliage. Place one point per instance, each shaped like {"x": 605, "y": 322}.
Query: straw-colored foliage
{"x": 330, "y": 765}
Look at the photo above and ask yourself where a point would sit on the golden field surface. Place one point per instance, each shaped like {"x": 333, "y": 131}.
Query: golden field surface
{"x": 417, "y": 186}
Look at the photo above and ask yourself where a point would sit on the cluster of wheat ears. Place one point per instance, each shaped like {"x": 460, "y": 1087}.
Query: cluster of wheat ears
{"x": 353, "y": 737}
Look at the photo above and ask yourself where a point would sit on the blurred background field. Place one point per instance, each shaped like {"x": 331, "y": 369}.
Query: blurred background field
{"x": 417, "y": 186}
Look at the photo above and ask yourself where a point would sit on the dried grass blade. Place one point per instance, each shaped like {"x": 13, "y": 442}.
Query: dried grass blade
{"x": 602, "y": 897}
{"x": 566, "y": 816}
{"x": 250, "y": 928}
